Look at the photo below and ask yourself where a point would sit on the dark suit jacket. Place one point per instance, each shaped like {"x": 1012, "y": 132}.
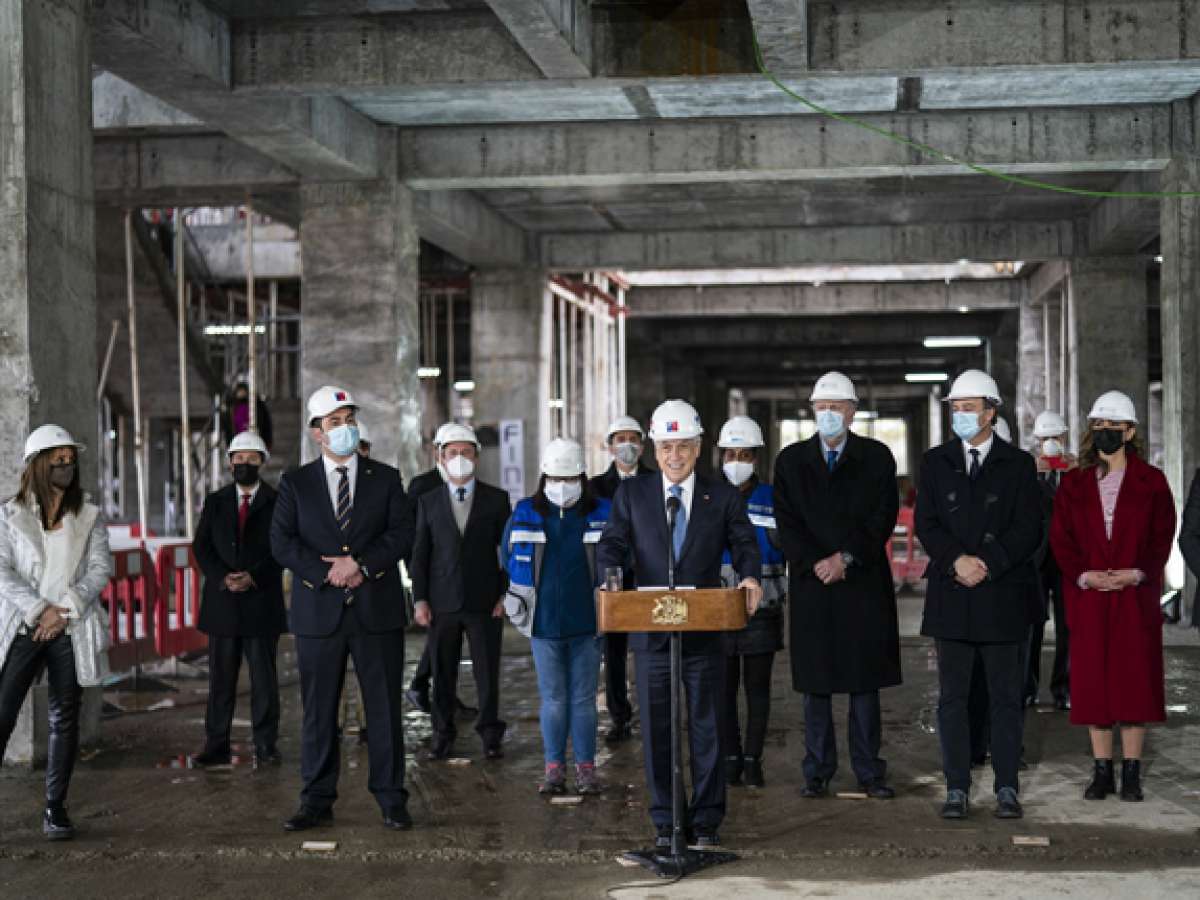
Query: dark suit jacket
{"x": 997, "y": 518}
{"x": 605, "y": 485}
{"x": 637, "y": 530}
{"x": 305, "y": 528}
{"x": 460, "y": 572}
{"x": 422, "y": 484}
{"x": 258, "y": 612}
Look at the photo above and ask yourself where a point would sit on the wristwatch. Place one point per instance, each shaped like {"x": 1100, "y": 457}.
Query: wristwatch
{"x": 847, "y": 559}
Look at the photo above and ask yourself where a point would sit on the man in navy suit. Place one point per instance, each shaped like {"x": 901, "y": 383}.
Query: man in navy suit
{"x": 709, "y": 518}
{"x": 341, "y": 525}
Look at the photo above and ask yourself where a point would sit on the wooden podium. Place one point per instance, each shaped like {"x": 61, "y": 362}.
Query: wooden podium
{"x": 674, "y": 611}
{"x": 661, "y": 609}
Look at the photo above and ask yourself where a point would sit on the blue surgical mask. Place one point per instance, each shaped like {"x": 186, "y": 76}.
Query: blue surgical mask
{"x": 830, "y": 423}
{"x": 343, "y": 440}
{"x": 966, "y": 424}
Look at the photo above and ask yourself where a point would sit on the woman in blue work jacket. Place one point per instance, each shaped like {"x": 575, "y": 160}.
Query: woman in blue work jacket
{"x": 750, "y": 653}
{"x": 550, "y": 552}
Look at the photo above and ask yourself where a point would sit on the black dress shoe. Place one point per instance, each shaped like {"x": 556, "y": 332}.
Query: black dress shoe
{"x": 267, "y": 756}
{"x": 493, "y": 751}
{"x": 877, "y": 790}
{"x": 442, "y": 747}
{"x": 207, "y": 757}
{"x": 397, "y": 818}
{"x": 463, "y": 711}
{"x": 753, "y": 771}
{"x": 1131, "y": 780}
{"x": 733, "y": 770}
{"x": 306, "y": 818}
{"x": 1007, "y": 804}
{"x": 815, "y": 787}
{"x": 620, "y": 731}
{"x": 56, "y": 824}
{"x": 418, "y": 699}
{"x": 1102, "y": 783}
{"x": 956, "y": 805}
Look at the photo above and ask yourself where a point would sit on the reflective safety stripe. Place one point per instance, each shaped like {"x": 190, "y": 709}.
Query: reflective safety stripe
{"x": 521, "y": 557}
{"x": 762, "y": 521}
{"x": 527, "y": 537}
{"x": 591, "y": 537}
{"x": 769, "y": 570}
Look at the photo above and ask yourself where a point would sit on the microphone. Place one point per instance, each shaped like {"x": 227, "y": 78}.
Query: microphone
{"x": 673, "y": 505}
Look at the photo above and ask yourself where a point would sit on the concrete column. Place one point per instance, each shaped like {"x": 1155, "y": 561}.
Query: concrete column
{"x": 510, "y": 362}
{"x": 47, "y": 250}
{"x": 1031, "y": 368}
{"x": 1107, "y": 339}
{"x": 1180, "y": 311}
{"x": 1002, "y": 359}
{"x": 358, "y": 247}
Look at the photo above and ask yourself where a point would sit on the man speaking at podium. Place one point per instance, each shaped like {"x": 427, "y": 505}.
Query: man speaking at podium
{"x": 708, "y": 517}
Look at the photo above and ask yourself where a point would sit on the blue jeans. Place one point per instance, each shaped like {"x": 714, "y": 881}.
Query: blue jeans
{"x": 568, "y": 671}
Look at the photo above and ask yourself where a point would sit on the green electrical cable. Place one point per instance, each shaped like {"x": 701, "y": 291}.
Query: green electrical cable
{"x": 927, "y": 150}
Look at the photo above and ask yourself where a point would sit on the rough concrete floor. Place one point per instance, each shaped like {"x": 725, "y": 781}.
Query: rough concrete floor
{"x": 151, "y": 829}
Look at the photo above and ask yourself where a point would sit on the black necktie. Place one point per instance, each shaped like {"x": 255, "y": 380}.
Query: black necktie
{"x": 974, "y": 464}
{"x": 462, "y": 495}
{"x": 343, "y": 498}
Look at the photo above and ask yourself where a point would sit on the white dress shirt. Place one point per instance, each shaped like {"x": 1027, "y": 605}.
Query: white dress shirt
{"x": 984, "y": 449}
{"x": 689, "y": 491}
{"x": 333, "y": 477}
{"x": 253, "y": 492}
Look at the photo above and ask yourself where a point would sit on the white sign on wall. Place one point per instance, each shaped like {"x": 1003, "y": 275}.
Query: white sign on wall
{"x": 512, "y": 458}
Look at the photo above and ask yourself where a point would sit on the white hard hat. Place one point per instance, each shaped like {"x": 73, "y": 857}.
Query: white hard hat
{"x": 1001, "y": 428}
{"x": 1114, "y": 406}
{"x": 833, "y": 386}
{"x": 623, "y": 423}
{"x": 974, "y": 383}
{"x": 248, "y": 440}
{"x": 738, "y": 432}
{"x": 328, "y": 399}
{"x": 437, "y": 437}
{"x": 563, "y": 458}
{"x": 453, "y": 433}
{"x": 675, "y": 420}
{"x": 364, "y": 435}
{"x": 1049, "y": 424}
{"x": 47, "y": 437}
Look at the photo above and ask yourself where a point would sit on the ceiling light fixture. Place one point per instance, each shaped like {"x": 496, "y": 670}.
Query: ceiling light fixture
{"x": 952, "y": 342}
{"x": 926, "y": 377}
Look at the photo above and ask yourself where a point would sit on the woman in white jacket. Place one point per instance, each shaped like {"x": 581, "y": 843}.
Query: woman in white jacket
{"x": 54, "y": 563}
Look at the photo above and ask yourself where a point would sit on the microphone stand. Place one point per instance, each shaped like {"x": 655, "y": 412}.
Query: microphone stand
{"x": 681, "y": 860}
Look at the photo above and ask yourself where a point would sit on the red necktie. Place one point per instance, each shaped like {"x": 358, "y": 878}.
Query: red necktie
{"x": 243, "y": 515}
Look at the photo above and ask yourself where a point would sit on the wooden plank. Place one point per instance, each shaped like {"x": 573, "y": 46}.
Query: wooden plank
{"x": 705, "y": 609}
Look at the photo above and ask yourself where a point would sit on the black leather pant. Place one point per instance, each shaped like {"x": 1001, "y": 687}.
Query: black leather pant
{"x": 25, "y": 661}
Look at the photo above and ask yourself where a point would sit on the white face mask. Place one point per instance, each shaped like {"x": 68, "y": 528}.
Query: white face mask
{"x": 1052, "y": 447}
{"x": 627, "y": 453}
{"x": 564, "y": 494}
{"x": 460, "y": 467}
{"x": 738, "y": 473}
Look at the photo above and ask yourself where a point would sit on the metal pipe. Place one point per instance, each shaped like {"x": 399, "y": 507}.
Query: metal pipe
{"x": 185, "y": 431}
{"x": 1046, "y": 352}
{"x": 622, "y": 384}
{"x": 450, "y": 392}
{"x": 1062, "y": 352}
{"x": 572, "y": 372}
{"x": 545, "y": 416}
{"x": 139, "y": 460}
{"x": 560, "y": 311}
{"x": 252, "y": 347}
{"x": 108, "y": 355}
{"x": 272, "y": 340}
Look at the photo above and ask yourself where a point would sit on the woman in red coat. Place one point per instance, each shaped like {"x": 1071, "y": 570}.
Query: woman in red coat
{"x": 1113, "y": 525}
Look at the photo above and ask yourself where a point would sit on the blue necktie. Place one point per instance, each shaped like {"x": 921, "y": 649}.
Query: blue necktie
{"x": 680, "y": 531}
{"x": 831, "y": 456}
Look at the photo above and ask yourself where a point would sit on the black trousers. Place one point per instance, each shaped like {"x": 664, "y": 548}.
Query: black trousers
{"x": 424, "y": 673}
{"x": 755, "y": 670}
{"x": 616, "y": 675}
{"x": 1060, "y": 675}
{"x": 25, "y": 661}
{"x": 379, "y": 665}
{"x": 1003, "y": 669}
{"x": 979, "y": 711}
{"x": 224, "y": 666}
{"x": 864, "y": 730}
{"x": 704, "y": 694}
{"x": 485, "y": 633}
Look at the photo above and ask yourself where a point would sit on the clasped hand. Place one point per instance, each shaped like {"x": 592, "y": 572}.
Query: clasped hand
{"x": 343, "y": 571}
{"x": 1111, "y": 580}
{"x": 831, "y": 569}
{"x": 51, "y": 623}
{"x": 754, "y": 594}
{"x": 970, "y": 571}
{"x": 238, "y": 582}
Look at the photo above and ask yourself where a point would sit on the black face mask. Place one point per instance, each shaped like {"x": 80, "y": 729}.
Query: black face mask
{"x": 1108, "y": 440}
{"x": 245, "y": 474}
{"x": 62, "y": 474}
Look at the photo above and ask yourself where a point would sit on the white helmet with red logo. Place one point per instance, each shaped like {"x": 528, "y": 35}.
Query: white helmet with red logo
{"x": 675, "y": 420}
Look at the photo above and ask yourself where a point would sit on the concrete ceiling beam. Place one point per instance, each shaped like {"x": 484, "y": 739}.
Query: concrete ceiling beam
{"x": 982, "y": 241}
{"x": 782, "y": 30}
{"x": 557, "y": 36}
{"x": 1134, "y": 138}
{"x": 1124, "y": 225}
{"x": 837, "y": 299}
{"x": 182, "y": 54}
{"x": 463, "y": 225}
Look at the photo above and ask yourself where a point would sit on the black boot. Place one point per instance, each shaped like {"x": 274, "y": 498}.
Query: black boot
{"x": 1102, "y": 783}
{"x": 733, "y": 770}
{"x": 754, "y": 771}
{"x": 56, "y": 824}
{"x": 1131, "y": 780}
